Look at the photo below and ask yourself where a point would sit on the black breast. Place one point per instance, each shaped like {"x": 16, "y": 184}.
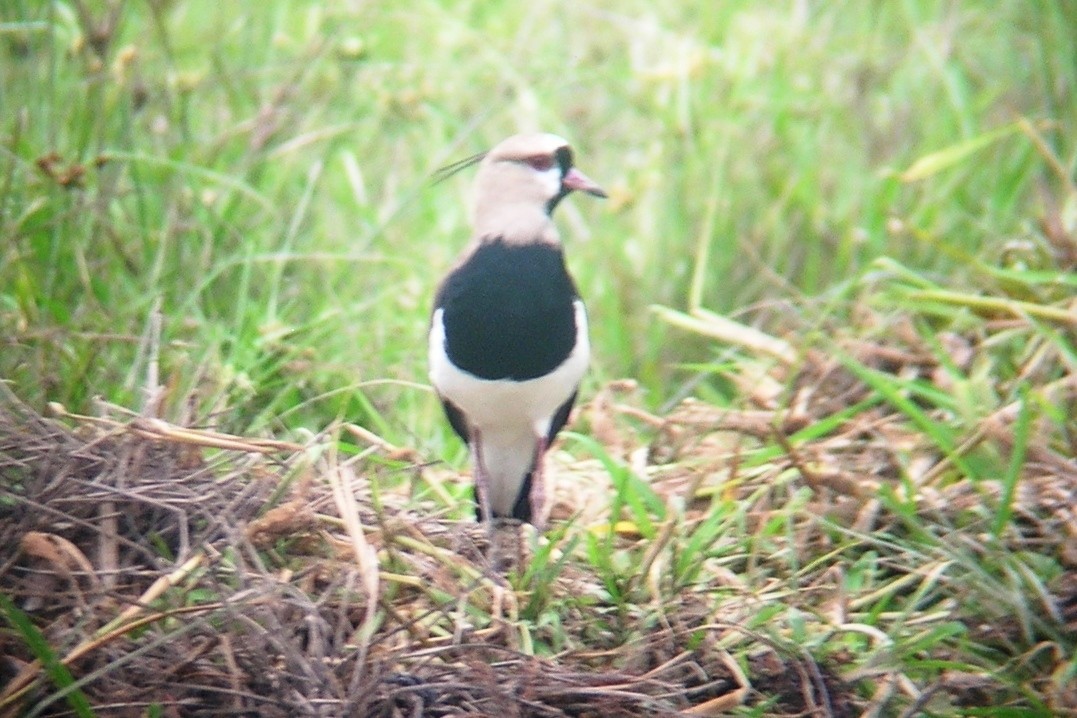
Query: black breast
{"x": 508, "y": 311}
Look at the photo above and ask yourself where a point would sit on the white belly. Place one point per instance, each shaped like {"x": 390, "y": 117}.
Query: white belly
{"x": 509, "y": 416}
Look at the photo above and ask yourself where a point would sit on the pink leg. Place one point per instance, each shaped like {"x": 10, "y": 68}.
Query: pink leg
{"x": 482, "y": 477}
{"x": 538, "y": 485}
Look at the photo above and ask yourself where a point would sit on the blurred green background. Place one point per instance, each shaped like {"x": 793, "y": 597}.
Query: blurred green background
{"x": 261, "y": 173}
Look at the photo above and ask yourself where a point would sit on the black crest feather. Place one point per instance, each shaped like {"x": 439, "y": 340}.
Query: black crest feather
{"x": 443, "y": 173}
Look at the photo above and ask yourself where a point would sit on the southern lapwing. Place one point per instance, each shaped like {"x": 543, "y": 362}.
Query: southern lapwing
{"x": 508, "y": 334}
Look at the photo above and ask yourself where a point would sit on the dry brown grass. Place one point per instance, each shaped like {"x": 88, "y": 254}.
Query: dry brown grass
{"x": 204, "y": 573}
{"x": 211, "y": 574}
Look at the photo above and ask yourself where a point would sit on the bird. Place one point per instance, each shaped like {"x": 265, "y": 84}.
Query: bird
{"x": 508, "y": 335}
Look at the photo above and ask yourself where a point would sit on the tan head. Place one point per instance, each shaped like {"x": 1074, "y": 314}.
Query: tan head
{"x": 520, "y": 182}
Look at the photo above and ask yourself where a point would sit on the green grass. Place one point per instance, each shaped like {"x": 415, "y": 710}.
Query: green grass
{"x": 264, "y": 175}
{"x": 255, "y": 177}
{"x": 43, "y": 652}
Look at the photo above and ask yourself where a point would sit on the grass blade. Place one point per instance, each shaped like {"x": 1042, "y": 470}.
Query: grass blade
{"x": 1021, "y": 432}
{"x": 891, "y": 389}
{"x": 940, "y": 160}
{"x": 39, "y": 646}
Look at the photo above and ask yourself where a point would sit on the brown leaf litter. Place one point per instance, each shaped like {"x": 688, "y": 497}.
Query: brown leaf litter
{"x": 154, "y": 563}
{"x": 207, "y": 573}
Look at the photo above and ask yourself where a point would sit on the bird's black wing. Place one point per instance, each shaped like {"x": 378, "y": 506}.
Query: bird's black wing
{"x": 560, "y": 418}
{"x": 456, "y": 419}
{"x": 508, "y": 311}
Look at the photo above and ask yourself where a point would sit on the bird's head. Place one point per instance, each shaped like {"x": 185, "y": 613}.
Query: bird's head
{"x": 529, "y": 171}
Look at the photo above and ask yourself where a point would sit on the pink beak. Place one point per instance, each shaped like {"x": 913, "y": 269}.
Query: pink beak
{"x": 578, "y": 180}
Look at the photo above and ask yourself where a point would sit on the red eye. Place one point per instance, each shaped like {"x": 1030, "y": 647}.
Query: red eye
{"x": 540, "y": 162}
